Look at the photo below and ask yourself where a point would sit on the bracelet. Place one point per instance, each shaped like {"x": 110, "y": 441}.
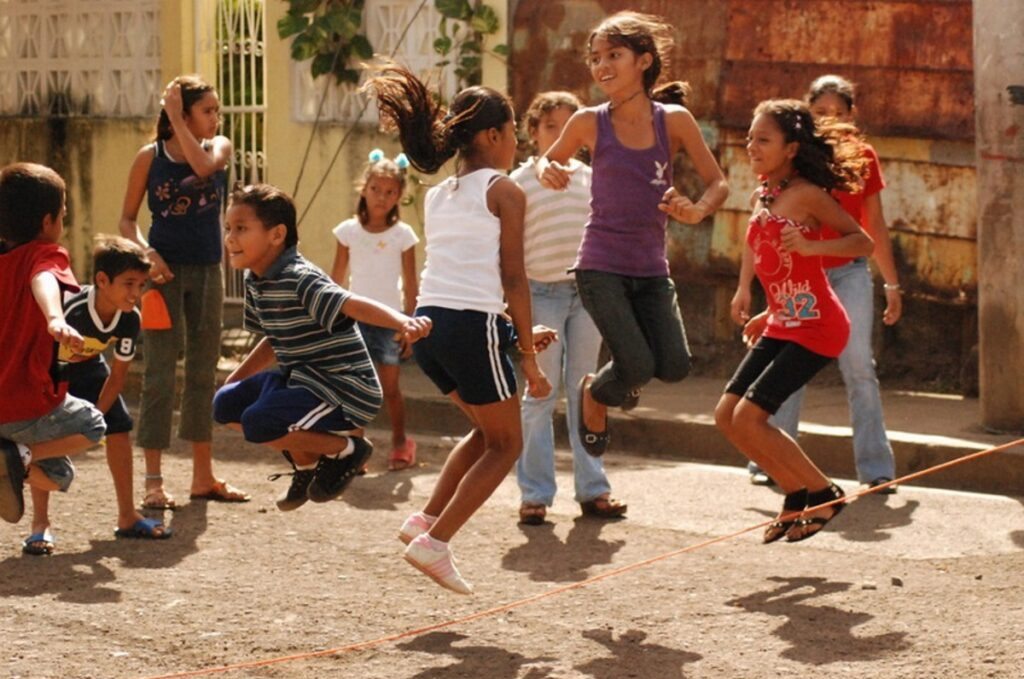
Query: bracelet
{"x": 154, "y": 477}
{"x": 524, "y": 352}
{"x": 892, "y": 286}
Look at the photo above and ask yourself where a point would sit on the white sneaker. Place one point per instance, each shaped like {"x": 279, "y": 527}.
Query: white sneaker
{"x": 436, "y": 561}
{"x": 416, "y": 525}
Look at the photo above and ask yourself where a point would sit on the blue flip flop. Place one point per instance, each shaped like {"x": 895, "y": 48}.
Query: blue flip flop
{"x": 143, "y": 529}
{"x": 29, "y": 546}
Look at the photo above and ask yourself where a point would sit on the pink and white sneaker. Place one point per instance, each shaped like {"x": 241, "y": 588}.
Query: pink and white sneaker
{"x": 434, "y": 559}
{"x": 416, "y": 525}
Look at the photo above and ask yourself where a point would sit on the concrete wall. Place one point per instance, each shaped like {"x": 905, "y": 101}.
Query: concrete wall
{"x": 913, "y": 63}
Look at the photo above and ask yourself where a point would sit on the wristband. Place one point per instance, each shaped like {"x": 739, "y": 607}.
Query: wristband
{"x": 892, "y": 286}
{"x": 525, "y": 352}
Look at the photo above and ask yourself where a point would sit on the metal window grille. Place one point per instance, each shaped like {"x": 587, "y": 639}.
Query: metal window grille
{"x": 79, "y": 57}
{"x": 384, "y": 21}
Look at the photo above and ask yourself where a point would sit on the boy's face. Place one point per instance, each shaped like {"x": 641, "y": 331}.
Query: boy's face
{"x": 249, "y": 243}
{"x": 549, "y": 127}
{"x": 124, "y": 291}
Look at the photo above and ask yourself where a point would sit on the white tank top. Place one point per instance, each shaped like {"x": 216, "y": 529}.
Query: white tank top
{"x": 462, "y": 270}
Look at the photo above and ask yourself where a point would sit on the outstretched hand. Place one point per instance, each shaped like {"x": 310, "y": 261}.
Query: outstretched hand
{"x": 680, "y": 208}
{"x": 413, "y": 329}
{"x": 64, "y": 334}
{"x": 555, "y": 176}
{"x": 543, "y": 337}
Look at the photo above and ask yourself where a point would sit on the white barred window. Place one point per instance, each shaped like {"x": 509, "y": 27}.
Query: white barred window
{"x": 80, "y": 57}
{"x": 384, "y": 22}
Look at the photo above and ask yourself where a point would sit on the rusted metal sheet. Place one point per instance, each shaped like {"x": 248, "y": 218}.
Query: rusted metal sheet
{"x": 549, "y": 42}
{"x": 913, "y": 60}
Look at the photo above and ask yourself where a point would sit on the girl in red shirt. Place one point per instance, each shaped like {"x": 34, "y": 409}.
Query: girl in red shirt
{"x": 804, "y": 326}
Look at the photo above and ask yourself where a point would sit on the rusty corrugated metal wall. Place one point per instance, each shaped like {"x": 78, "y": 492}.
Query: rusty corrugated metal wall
{"x": 913, "y": 62}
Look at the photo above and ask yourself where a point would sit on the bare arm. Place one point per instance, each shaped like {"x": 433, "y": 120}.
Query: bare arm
{"x": 339, "y": 272}
{"x": 853, "y": 241}
{"x": 46, "y": 291}
{"x": 579, "y": 131}
{"x": 138, "y": 176}
{"x": 685, "y": 133}
{"x": 374, "y": 313}
{"x": 204, "y": 163}
{"x": 879, "y": 232}
{"x": 410, "y": 283}
{"x": 259, "y": 359}
{"x": 507, "y": 200}
{"x": 739, "y": 308}
{"x": 113, "y": 385}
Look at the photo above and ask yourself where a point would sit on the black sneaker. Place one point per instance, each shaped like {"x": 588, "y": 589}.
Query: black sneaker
{"x": 332, "y": 475}
{"x": 296, "y": 495}
{"x": 631, "y": 402}
{"x": 12, "y": 483}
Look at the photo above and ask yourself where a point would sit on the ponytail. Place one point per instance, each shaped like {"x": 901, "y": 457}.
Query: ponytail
{"x": 675, "y": 92}
{"x": 430, "y": 134}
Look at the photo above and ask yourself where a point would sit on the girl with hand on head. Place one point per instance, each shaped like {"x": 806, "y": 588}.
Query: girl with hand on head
{"x": 804, "y": 326}
{"x": 379, "y": 250}
{"x": 474, "y": 264}
{"x": 183, "y": 176}
{"x": 621, "y": 269}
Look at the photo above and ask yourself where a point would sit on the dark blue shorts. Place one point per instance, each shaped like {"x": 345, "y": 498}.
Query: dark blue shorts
{"x": 381, "y": 343}
{"x": 268, "y": 409}
{"x": 465, "y": 352}
{"x": 85, "y": 380}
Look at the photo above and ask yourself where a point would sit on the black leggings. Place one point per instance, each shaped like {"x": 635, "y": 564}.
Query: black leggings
{"x": 772, "y": 370}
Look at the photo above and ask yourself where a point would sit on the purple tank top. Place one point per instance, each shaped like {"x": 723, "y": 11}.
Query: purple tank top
{"x": 626, "y": 231}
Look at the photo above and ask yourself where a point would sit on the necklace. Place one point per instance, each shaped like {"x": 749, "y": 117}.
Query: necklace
{"x": 767, "y": 196}
{"x": 612, "y": 104}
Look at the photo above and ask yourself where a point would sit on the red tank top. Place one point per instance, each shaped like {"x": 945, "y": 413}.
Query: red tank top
{"x": 802, "y": 306}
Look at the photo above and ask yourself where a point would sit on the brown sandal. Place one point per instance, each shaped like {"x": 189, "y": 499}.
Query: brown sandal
{"x": 532, "y": 513}
{"x": 159, "y": 500}
{"x": 604, "y": 507}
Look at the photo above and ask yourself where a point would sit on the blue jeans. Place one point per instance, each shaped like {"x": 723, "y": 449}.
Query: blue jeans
{"x": 558, "y": 306}
{"x": 871, "y": 450}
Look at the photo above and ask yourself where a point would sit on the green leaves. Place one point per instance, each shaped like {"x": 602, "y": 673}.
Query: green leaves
{"x": 326, "y": 31}
{"x": 454, "y": 9}
{"x": 473, "y": 20}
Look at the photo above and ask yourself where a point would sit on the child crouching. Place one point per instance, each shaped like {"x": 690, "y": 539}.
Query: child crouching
{"x": 314, "y": 407}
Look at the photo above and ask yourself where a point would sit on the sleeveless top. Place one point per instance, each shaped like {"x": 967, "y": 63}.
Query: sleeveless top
{"x": 186, "y": 210}
{"x": 802, "y": 306}
{"x": 626, "y": 231}
{"x": 463, "y": 268}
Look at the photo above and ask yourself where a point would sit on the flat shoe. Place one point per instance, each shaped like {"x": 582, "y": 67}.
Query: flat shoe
{"x": 594, "y": 442}
{"x": 158, "y": 500}
{"x": 144, "y": 529}
{"x": 39, "y": 544}
{"x": 604, "y": 508}
{"x": 532, "y": 513}
{"x": 402, "y": 457}
{"x": 222, "y": 492}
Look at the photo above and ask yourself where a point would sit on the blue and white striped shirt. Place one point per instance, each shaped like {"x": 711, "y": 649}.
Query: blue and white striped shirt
{"x": 298, "y": 307}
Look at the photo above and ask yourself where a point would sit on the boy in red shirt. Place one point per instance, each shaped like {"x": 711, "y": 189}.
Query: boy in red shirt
{"x": 38, "y": 419}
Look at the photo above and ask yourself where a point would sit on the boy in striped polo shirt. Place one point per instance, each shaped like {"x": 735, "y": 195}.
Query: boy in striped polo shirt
{"x": 313, "y": 408}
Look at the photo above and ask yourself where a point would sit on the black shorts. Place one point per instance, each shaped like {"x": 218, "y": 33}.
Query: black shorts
{"x": 85, "y": 380}
{"x": 465, "y": 352}
{"x": 773, "y": 370}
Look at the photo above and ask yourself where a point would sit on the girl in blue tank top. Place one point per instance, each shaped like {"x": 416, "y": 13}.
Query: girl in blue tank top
{"x": 182, "y": 174}
{"x": 621, "y": 270}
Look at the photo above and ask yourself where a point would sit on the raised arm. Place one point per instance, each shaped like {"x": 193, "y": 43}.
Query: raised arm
{"x": 580, "y": 131}
{"x": 204, "y": 163}
{"x": 686, "y": 135}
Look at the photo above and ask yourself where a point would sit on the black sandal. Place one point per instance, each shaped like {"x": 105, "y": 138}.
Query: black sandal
{"x": 794, "y": 502}
{"x": 594, "y": 442}
{"x": 827, "y": 494}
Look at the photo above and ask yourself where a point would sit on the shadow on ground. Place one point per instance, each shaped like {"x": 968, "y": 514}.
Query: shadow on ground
{"x": 545, "y": 558}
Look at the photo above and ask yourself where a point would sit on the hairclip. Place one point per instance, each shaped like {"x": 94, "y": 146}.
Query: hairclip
{"x": 402, "y": 161}
{"x": 798, "y": 125}
{"x": 376, "y": 156}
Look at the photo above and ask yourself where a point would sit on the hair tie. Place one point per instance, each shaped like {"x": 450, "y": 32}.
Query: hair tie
{"x": 376, "y": 156}
{"x": 402, "y": 161}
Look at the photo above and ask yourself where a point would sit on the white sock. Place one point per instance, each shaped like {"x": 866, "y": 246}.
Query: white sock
{"x": 347, "y": 450}
{"x": 311, "y": 465}
{"x": 26, "y": 454}
{"x": 435, "y": 543}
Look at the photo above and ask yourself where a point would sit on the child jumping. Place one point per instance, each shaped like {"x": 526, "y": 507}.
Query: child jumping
{"x": 380, "y": 251}
{"x": 621, "y": 270}
{"x": 39, "y": 420}
{"x": 326, "y": 391}
{"x": 805, "y": 326}
{"x": 104, "y": 314}
{"x": 474, "y": 263}
{"x": 553, "y": 229}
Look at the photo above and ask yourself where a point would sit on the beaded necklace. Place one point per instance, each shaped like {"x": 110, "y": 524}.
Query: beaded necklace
{"x": 767, "y": 196}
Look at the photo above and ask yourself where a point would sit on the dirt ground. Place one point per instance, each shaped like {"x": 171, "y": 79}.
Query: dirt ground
{"x": 925, "y": 583}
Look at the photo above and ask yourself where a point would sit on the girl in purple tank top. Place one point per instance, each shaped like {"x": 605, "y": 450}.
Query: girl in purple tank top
{"x": 621, "y": 271}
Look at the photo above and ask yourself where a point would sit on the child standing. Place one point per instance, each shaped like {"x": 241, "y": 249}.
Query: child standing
{"x": 380, "y": 250}
{"x": 183, "y": 176}
{"x": 621, "y": 271}
{"x": 474, "y": 263}
{"x": 553, "y": 229}
{"x": 105, "y": 315}
{"x": 832, "y": 96}
{"x": 326, "y": 390}
{"x": 805, "y": 326}
{"x": 39, "y": 420}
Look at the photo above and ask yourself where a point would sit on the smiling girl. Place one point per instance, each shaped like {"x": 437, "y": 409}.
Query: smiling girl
{"x": 804, "y": 327}
{"x": 621, "y": 269}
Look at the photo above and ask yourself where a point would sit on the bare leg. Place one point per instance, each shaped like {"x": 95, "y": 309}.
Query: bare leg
{"x": 394, "y": 402}
{"x": 68, "y": 445}
{"x": 119, "y": 461}
{"x": 477, "y": 465}
{"x": 154, "y": 483}
{"x": 40, "y": 510}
